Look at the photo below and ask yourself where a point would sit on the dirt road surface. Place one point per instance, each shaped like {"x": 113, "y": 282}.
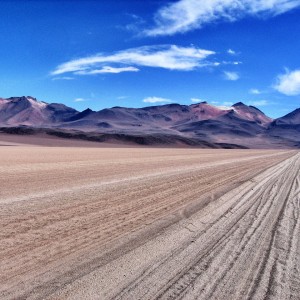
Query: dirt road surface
{"x": 83, "y": 223}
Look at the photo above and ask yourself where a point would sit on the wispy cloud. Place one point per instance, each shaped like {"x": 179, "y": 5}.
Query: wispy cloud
{"x": 137, "y": 23}
{"x": 107, "y": 69}
{"x": 169, "y": 57}
{"x": 233, "y": 76}
{"x": 235, "y": 63}
{"x": 227, "y": 103}
{"x": 156, "y": 100}
{"x": 231, "y": 52}
{"x": 288, "y": 83}
{"x": 79, "y": 100}
{"x": 197, "y": 100}
{"x": 63, "y": 78}
{"x": 259, "y": 103}
{"x": 255, "y": 92}
{"x": 186, "y": 15}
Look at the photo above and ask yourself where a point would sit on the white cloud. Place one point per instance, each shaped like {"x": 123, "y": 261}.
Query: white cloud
{"x": 169, "y": 57}
{"x": 259, "y": 103}
{"x": 79, "y": 100}
{"x": 63, "y": 78}
{"x": 107, "y": 69}
{"x": 227, "y": 103}
{"x": 224, "y": 62}
{"x": 197, "y": 100}
{"x": 186, "y": 15}
{"x": 233, "y": 76}
{"x": 135, "y": 25}
{"x": 156, "y": 100}
{"x": 230, "y": 51}
{"x": 288, "y": 83}
{"x": 255, "y": 92}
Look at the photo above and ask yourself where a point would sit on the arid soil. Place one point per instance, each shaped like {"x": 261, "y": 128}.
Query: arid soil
{"x": 118, "y": 223}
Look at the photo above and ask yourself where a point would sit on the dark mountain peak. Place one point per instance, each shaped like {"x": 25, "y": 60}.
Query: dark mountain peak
{"x": 81, "y": 115}
{"x": 32, "y": 98}
{"x": 20, "y": 98}
{"x": 291, "y": 118}
{"x": 251, "y": 106}
{"x": 107, "y": 112}
{"x": 230, "y": 112}
{"x": 59, "y": 106}
{"x": 88, "y": 110}
{"x": 294, "y": 112}
{"x": 16, "y": 99}
{"x": 199, "y": 103}
{"x": 59, "y": 112}
{"x": 170, "y": 107}
{"x": 241, "y": 104}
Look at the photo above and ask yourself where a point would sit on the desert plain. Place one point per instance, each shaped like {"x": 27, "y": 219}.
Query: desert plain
{"x": 148, "y": 223}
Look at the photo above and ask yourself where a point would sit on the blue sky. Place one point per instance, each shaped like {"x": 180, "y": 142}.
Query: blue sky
{"x": 137, "y": 53}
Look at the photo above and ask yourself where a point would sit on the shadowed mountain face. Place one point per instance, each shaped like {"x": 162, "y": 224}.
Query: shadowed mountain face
{"x": 287, "y": 127}
{"x": 239, "y": 124}
{"x": 292, "y": 118}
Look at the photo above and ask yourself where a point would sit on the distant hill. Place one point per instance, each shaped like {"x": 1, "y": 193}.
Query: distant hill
{"x": 198, "y": 124}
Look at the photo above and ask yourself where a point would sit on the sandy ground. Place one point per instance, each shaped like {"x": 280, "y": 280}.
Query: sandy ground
{"x": 88, "y": 223}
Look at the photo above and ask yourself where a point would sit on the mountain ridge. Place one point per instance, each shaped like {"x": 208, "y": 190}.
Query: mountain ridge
{"x": 238, "y": 124}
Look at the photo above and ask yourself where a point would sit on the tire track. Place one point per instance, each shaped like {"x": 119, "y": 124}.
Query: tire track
{"x": 220, "y": 263}
{"x": 52, "y": 238}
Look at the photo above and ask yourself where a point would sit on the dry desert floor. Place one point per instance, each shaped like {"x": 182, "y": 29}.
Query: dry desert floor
{"x": 137, "y": 223}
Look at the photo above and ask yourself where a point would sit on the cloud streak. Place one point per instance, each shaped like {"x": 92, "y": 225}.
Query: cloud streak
{"x": 62, "y": 78}
{"x": 288, "y": 83}
{"x": 255, "y": 92}
{"x": 231, "y": 52}
{"x": 170, "y": 57}
{"x": 259, "y": 103}
{"x": 232, "y": 76}
{"x": 196, "y": 100}
{"x": 107, "y": 69}
{"x": 156, "y": 100}
{"x": 186, "y": 15}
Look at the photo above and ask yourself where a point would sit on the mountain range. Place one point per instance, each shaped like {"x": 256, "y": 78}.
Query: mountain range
{"x": 200, "y": 124}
